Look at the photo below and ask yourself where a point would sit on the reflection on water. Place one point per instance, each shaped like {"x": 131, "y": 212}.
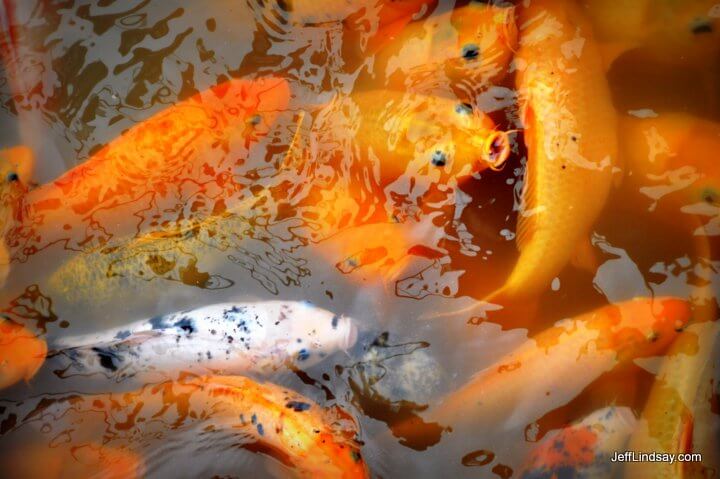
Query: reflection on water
{"x": 505, "y": 215}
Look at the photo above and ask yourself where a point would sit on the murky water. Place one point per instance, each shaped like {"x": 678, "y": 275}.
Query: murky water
{"x": 372, "y": 158}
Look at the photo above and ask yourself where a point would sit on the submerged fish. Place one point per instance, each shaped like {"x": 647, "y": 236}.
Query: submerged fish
{"x": 228, "y": 337}
{"x": 428, "y": 131}
{"x": 665, "y": 31}
{"x": 673, "y": 146}
{"x": 550, "y": 369}
{"x": 179, "y": 156}
{"x": 310, "y": 441}
{"x": 583, "y": 450}
{"x": 21, "y": 353}
{"x": 668, "y": 420}
{"x": 66, "y": 462}
{"x": 16, "y": 168}
{"x": 570, "y": 133}
{"x": 470, "y": 46}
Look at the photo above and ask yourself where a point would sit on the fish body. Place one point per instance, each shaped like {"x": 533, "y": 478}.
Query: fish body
{"x": 571, "y": 136}
{"x": 21, "y": 353}
{"x": 415, "y": 131}
{"x": 673, "y": 152}
{"x": 16, "y": 170}
{"x": 181, "y": 155}
{"x": 229, "y": 337}
{"x": 666, "y": 31}
{"x": 312, "y": 442}
{"x": 583, "y": 450}
{"x": 674, "y": 405}
{"x": 552, "y": 368}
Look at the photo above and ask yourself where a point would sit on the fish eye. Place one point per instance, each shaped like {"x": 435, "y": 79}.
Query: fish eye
{"x": 12, "y": 177}
{"x": 470, "y": 51}
{"x": 463, "y": 108}
{"x": 438, "y": 158}
{"x": 710, "y": 196}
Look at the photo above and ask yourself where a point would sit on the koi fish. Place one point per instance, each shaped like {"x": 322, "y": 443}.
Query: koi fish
{"x": 227, "y": 337}
{"x": 21, "y": 353}
{"x": 550, "y": 369}
{"x": 472, "y": 45}
{"x": 668, "y": 418}
{"x": 16, "y": 168}
{"x": 673, "y": 146}
{"x": 571, "y": 136}
{"x": 428, "y": 132}
{"x": 667, "y": 31}
{"x": 63, "y": 462}
{"x": 174, "y": 157}
{"x": 312, "y": 442}
{"x": 582, "y": 450}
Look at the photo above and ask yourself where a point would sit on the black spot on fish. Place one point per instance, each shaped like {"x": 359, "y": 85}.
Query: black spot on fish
{"x": 186, "y": 324}
{"x": 157, "y": 322}
{"x": 107, "y": 359}
{"x": 470, "y": 51}
{"x": 260, "y": 429}
{"x": 297, "y": 406}
{"x": 438, "y": 158}
{"x": 303, "y": 354}
{"x": 335, "y": 320}
{"x": 253, "y": 419}
{"x": 230, "y": 339}
{"x": 122, "y": 334}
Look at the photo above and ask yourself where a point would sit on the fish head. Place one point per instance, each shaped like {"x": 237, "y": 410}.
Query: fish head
{"x": 487, "y": 37}
{"x": 16, "y": 169}
{"x": 453, "y": 135}
{"x": 21, "y": 353}
{"x": 316, "y": 333}
{"x": 646, "y": 327}
{"x": 251, "y": 105}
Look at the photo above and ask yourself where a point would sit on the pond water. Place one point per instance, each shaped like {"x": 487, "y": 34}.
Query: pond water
{"x": 516, "y": 204}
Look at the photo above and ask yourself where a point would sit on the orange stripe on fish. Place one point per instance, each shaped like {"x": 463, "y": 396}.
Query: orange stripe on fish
{"x": 185, "y": 151}
{"x": 571, "y": 136}
{"x": 550, "y": 369}
{"x": 21, "y": 353}
{"x": 311, "y": 441}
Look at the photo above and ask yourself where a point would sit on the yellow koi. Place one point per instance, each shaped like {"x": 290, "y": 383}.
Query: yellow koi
{"x": 570, "y": 132}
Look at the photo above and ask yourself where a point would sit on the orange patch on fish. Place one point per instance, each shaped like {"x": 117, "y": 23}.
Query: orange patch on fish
{"x": 135, "y": 180}
{"x": 21, "y": 353}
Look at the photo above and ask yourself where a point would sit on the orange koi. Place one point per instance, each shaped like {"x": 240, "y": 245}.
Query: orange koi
{"x": 675, "y": 155}
{"x": 182, "y": 155}
{"x": 21, "y": 353}
{"x": 311, "y": 441}
{"x": 62, "y": 462}
{"x": 570, "y": 132}
{"x": 16, "y": 168}
{"x": 473, "y": 44}
{"x": 550, "y": 369}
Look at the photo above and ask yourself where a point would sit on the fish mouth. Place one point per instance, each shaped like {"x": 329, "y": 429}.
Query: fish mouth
{"x": 351, "y": 336}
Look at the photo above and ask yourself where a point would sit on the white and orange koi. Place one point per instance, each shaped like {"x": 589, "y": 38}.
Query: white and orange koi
{"x": 312, "y": 442}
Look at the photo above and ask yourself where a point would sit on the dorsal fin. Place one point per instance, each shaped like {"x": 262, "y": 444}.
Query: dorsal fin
{"x": 526, "y": 223}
